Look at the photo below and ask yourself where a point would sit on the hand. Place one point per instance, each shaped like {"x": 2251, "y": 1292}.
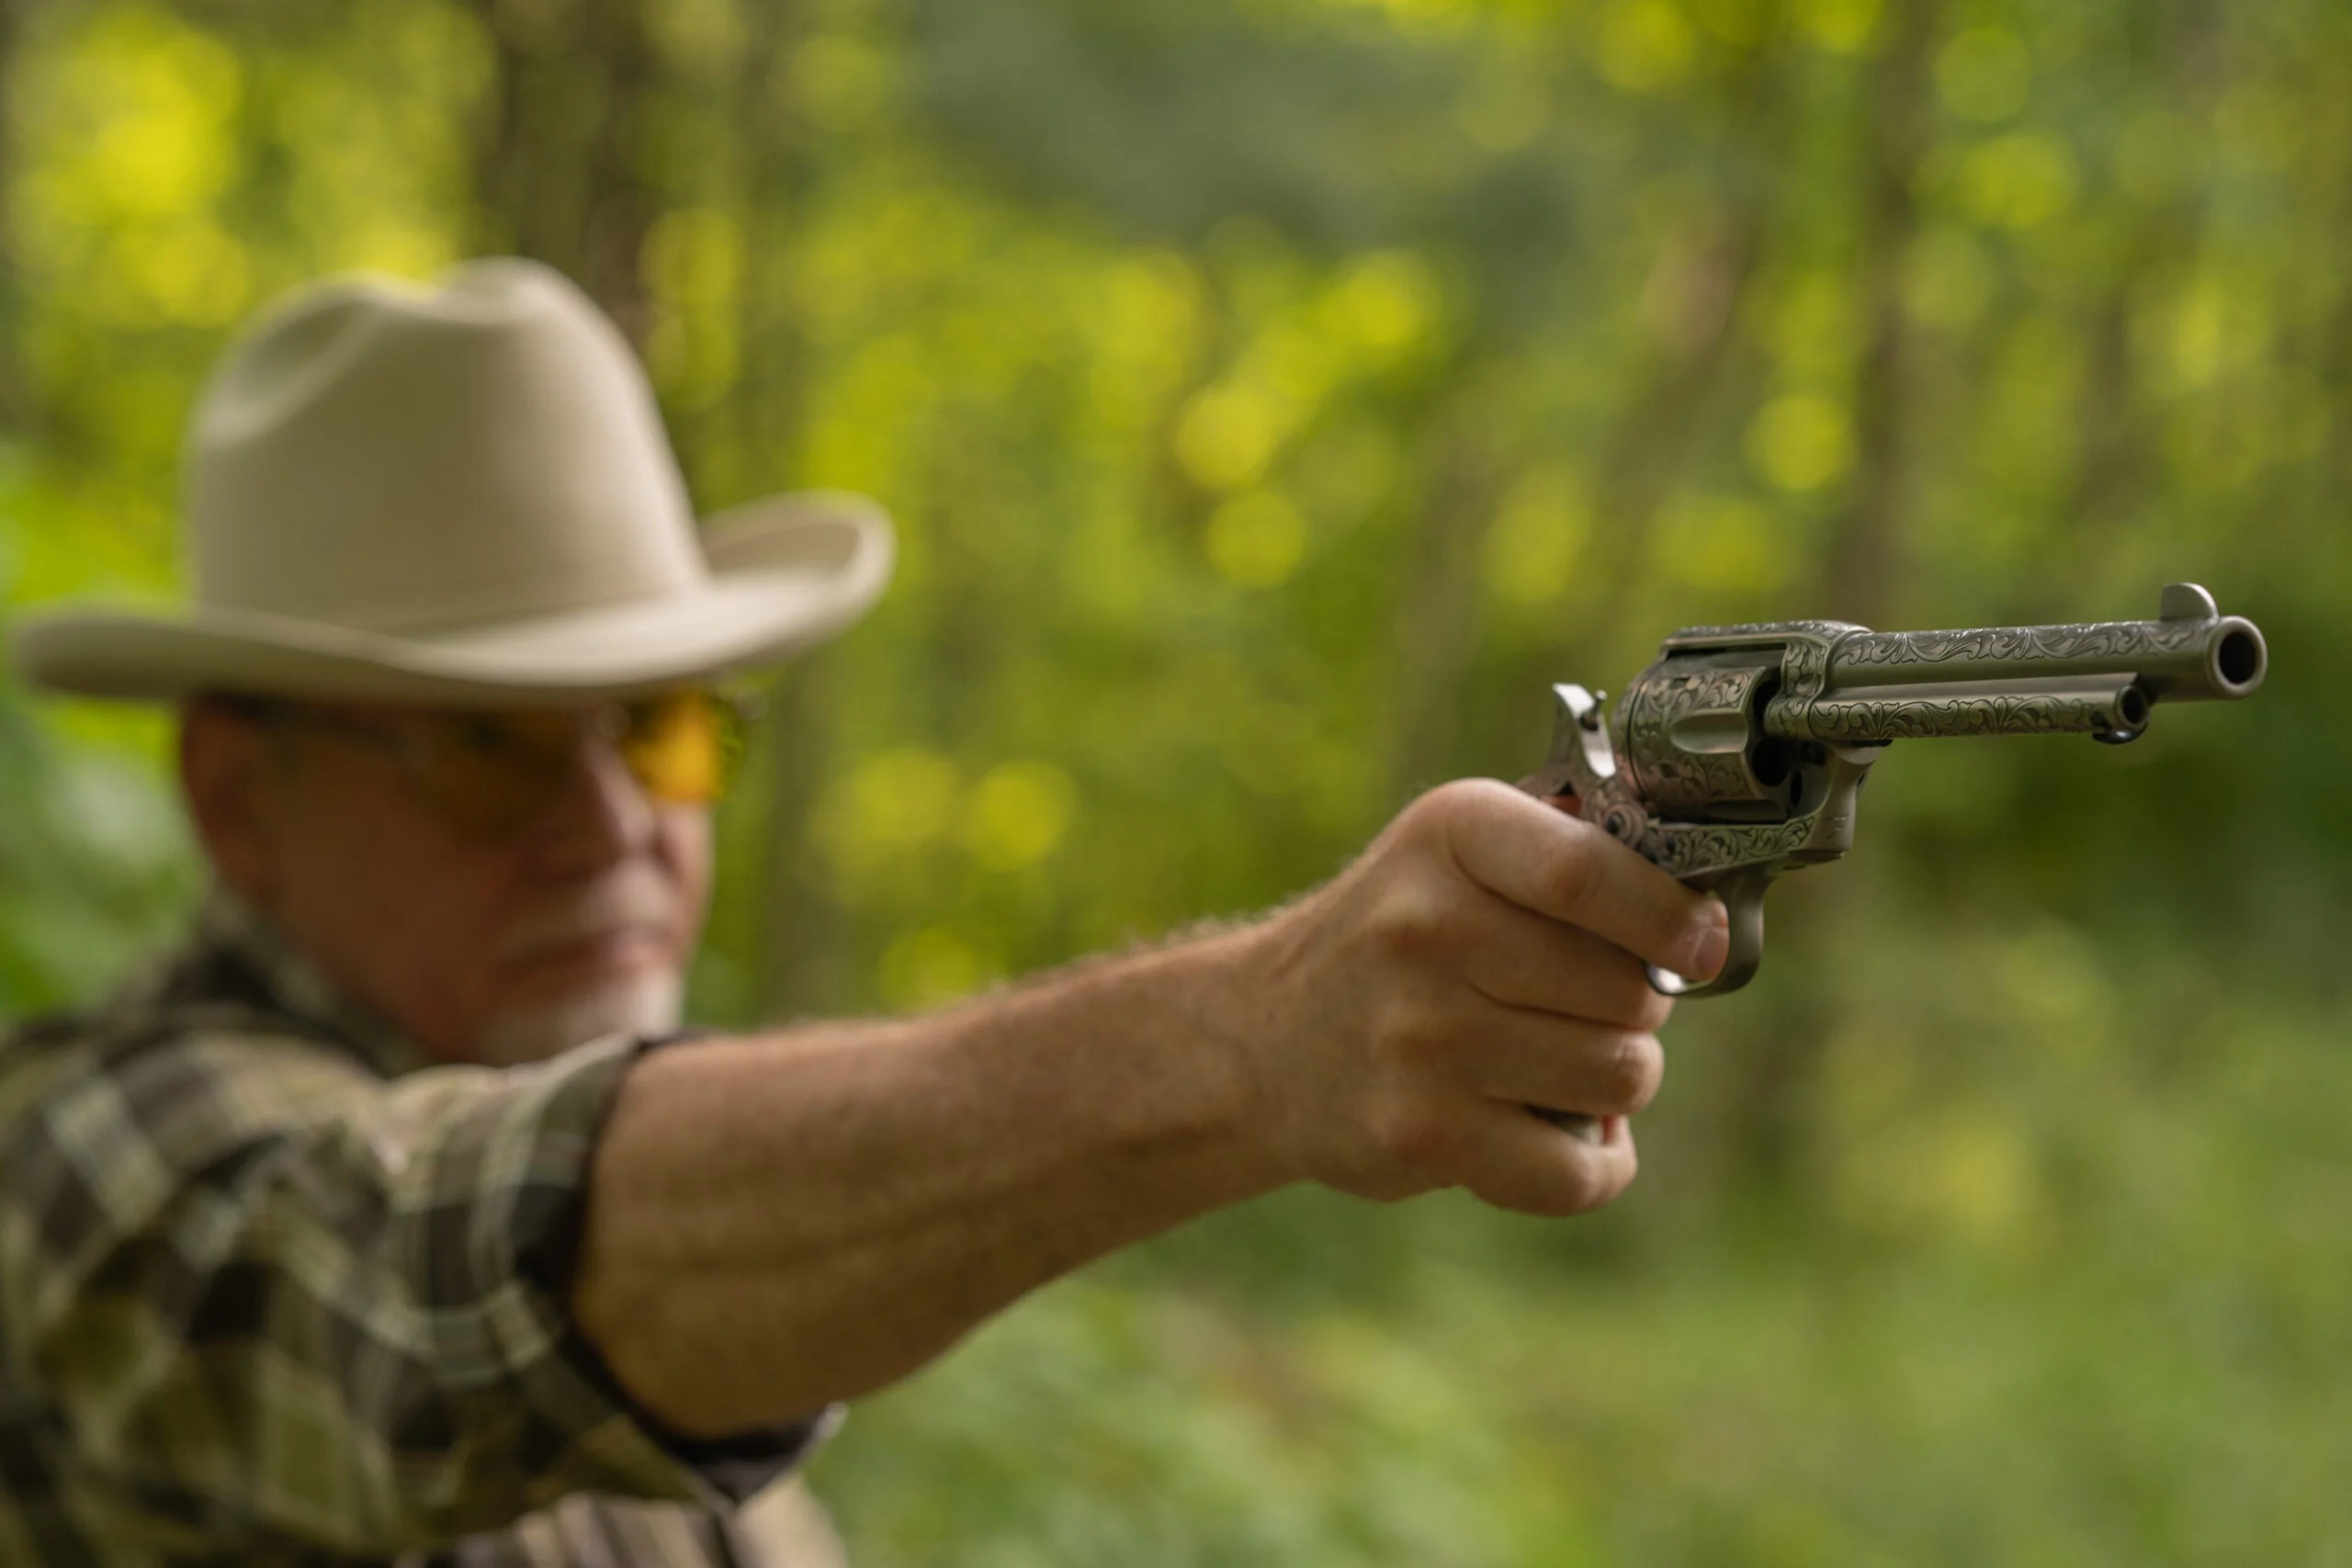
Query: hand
{"x": 1483, "y": 956}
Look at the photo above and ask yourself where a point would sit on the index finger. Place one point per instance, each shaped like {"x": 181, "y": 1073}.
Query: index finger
{"x": 1543, "y": 858}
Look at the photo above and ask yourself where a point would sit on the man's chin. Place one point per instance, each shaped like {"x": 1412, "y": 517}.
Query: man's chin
{"x": 639, "y": 1004}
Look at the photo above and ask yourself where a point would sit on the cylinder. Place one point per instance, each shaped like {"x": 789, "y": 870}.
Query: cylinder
{"x": 1695, "y": 739}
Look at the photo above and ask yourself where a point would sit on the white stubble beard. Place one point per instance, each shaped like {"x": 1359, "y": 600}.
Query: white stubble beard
{"x": 638, "y": 1005}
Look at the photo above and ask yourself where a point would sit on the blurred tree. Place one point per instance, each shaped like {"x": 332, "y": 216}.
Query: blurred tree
{"x": 566, "y": 169}
{"x": 13, "y": 389}
{"x": 1866, "y": 542}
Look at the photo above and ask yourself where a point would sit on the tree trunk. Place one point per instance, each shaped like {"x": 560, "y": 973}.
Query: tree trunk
{"x": 1702, "y": 281}
{"x": 769, "y": 405}
{"x": 1436, "y": 639}
{"x": 1866, "y": 549}
{"x": 621, "y": 201}
{"x": 16, "y": 392}
{"x": 1660, "y": 423}
{"x": 2112, "y": 459}
{"x": 800, "y": 930}
{"x": 1778, "y": 1070}
{"x": 559, "y": 170}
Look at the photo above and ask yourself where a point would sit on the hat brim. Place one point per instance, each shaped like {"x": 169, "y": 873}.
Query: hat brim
{"x": 787, "y": 573}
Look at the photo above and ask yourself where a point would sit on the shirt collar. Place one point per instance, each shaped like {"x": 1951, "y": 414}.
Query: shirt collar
{"x": 230, "y": 931}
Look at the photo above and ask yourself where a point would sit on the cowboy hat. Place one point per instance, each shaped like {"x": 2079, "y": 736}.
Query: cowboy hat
{"x": 459, "y": 495}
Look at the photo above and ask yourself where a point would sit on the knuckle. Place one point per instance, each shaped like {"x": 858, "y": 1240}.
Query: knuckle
{"x": 1626, "y": 998}
{"x": 1588, "y": 1185}
{"x": 1434, "y": 816}
{"x": 1631, "y": 1068}
{"x": 1559, "y": 1200}
{"x": 1458, "y": 795}
{"x": 1430, "y": 813}
{"x": 1418, "y": 1134}
{"x": 1641, "y": 1008}
{"x": 1414, "y": 1037}
{"x": 1577, "y": 1188}
{"x": 1409, "y": 926}
{"x": 1576, "y": 870}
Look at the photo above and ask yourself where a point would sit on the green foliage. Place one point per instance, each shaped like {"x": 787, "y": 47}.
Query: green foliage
{"x": 1273, "y": 396}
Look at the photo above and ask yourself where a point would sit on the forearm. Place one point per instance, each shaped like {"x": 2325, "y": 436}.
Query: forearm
{"x": 777, "y": 1222}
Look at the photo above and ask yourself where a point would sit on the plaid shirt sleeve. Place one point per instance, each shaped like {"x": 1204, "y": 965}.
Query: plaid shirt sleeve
{"x": 273, "y": 1295}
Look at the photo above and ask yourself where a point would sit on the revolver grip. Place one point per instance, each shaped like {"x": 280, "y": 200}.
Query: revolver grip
{"x": 1743, "y": 895}
{"x": 1582, "y": 765}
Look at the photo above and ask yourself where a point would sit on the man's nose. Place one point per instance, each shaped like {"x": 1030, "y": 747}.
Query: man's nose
{"x": 603, "y": 813}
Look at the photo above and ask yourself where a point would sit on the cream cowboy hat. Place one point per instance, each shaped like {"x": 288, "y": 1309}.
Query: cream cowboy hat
{"x": 459, "y": 495}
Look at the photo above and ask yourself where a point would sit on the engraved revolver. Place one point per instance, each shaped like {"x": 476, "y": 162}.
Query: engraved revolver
{"x": 1738, "y": 757}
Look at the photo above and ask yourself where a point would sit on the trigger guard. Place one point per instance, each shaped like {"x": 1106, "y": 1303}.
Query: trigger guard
{"x": 1743, "y": 896}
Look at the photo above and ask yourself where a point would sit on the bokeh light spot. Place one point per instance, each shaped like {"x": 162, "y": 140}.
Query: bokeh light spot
{"x": 928, "y": 966}
{"x": 1984, "y": 73}
{"x": 2019, "y": 181}
{"x": 1387, "y": 301}
{"x": 1947, "y": 282}
{"x": 899, "y": 799}
{"x": 841, "y": 83}
{"x": 1643, "y": 45}
{"x": 1802, "y": 443}
{"x": 1532, "y": 548}
{"x": 694, "y": 257}
{"x": 1227, "y": 435}
{"x": 1017, "y": 814}
{"x": 1257, "y": 539}
{"x": 1841, "y": 26}
{"x": 1726, "y": 543}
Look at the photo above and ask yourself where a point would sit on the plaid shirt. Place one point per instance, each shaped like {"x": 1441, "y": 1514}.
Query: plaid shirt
{"x": 276, "y": 1290}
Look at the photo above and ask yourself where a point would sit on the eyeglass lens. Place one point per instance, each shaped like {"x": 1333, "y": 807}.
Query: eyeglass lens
{"x": 488, "y": 772}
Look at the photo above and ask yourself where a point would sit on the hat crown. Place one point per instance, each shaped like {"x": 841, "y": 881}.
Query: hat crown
{"x": 394, "y": 460}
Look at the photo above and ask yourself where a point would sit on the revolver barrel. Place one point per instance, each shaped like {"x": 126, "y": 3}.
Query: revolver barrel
{"x": 2100, "y": 679}
{"x": 2222, "y": 657}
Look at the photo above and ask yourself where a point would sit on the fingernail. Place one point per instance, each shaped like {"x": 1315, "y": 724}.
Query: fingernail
{"x": 1714, "y": 945}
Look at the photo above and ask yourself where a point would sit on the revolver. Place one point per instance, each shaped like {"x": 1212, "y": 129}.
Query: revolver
{"x": 1739, "y": 755}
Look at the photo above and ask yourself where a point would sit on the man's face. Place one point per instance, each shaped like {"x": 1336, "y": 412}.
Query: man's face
{"x": 499, "y": 946}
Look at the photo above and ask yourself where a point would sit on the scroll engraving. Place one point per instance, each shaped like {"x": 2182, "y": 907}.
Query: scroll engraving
{"x": 1666, "y": 712}
{"x": 1689, "y": 850}
{"x": 2094, "y": 640}
{"x": 1872, "y": 721}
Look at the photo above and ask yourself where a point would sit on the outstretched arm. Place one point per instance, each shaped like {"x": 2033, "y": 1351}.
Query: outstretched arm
{"x": 777, "y": 1222}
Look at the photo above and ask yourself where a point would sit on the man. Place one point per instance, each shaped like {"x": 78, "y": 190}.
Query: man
{"x": 387, "y": 1220}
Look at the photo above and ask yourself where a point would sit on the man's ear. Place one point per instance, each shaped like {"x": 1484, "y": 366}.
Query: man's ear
{"x": 226, "y": 761}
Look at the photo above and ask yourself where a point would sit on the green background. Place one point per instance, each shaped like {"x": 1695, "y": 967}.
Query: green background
{"x": 1274, "y": 396}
